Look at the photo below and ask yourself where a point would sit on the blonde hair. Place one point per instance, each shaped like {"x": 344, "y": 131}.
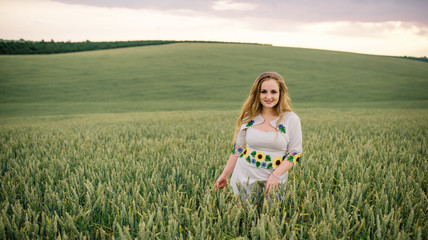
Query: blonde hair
{"x": 252, "y": 106}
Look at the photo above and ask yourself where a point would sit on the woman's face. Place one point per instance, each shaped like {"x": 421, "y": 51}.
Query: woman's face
{"x": 269, "y": 93}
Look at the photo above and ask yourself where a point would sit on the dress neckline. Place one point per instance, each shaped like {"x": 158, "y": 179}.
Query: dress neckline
{"x": 262, "y": 130}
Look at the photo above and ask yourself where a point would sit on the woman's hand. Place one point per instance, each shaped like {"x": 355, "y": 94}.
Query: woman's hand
{"x": 228, "y": 169}
{"x": 271, "y": 184}
{"x": 221, "y": 182}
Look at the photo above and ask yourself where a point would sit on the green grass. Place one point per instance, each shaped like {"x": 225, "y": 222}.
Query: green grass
{"x": 152, "y": 175}
{"x": 202, "y": 76}
{"x": 129, "y": 142}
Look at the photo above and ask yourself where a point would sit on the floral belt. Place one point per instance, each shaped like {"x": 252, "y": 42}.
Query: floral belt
{"x": 262, "y": 160}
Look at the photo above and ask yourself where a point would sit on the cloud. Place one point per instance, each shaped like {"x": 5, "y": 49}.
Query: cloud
{"x": 364, "y": 29}
{"x": 37, "y": 20}
{"x": 196, "y": 5}
{"x": 225, "y": 5}
{"x": 45, "y": 19}
{"x": 291, "y": 10}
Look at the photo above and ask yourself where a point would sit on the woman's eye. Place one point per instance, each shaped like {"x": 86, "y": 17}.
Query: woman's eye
{"x": 263, "y": 91}
{"x": 273, "y": 92}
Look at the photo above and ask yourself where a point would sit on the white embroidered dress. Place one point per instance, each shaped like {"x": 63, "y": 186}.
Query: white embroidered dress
{"x": 260, "y": 152}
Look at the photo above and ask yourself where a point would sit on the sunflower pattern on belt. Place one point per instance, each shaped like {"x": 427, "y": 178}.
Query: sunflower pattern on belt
{"x": 260, "y": 159}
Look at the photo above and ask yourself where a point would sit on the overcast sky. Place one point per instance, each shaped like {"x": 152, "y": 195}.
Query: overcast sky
{"x": 386, "y": 27}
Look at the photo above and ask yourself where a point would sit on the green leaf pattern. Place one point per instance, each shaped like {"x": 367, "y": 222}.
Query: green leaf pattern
{"x": 268, "y": 160}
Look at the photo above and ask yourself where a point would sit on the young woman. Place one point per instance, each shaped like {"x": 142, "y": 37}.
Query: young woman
{"x": 268, "y": 139}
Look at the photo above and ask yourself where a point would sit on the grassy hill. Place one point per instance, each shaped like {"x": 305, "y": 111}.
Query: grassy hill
{"x": 147, "y": 175}
{"x": 202, "y": 76}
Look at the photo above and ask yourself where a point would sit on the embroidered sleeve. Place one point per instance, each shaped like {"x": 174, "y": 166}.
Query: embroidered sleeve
{"x": 295, "y": 140}
{"x": 239, "y": 146}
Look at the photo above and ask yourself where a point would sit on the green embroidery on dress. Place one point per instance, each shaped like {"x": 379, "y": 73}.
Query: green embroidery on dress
{"x": 250, "y": 123}
{"x": 281, "y": 128}
{"x": 259, "y": 159}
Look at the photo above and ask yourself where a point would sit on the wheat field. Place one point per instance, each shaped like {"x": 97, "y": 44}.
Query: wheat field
{"x": 152, "y": 175}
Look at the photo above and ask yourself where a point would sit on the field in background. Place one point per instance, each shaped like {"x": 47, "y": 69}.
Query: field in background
{"x": 152, "y": 175}
{"x": 202, "y": 76}
{"x": 129, "y": 142}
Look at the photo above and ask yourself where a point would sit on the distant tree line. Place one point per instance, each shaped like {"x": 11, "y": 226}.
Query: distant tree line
{"x": 425, "y": 59}
{"x": 49, "y": 47}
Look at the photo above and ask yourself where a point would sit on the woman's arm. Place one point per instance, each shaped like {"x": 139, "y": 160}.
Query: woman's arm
{"x": 228, "y": 169}
{"x": 237, "y": 150}
{"x": 273, "y": 179}
{"x": 294, "y": 148}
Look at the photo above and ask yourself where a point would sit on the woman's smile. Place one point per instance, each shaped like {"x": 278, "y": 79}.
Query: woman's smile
{"x": 269, "y": 93}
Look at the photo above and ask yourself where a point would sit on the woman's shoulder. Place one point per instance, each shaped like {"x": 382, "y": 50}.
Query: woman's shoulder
{"x": 253, "y": 121}
{"x": 290, "y": 116}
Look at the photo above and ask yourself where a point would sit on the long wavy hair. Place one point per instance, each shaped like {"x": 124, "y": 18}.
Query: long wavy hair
{"x": 252, "y": 106}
